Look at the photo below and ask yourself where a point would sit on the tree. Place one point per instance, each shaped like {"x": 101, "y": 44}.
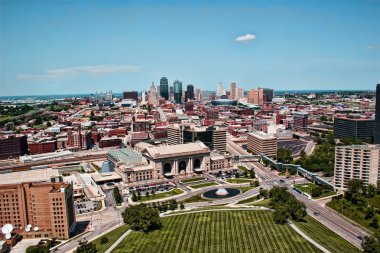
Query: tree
{"x": 264, "y": 193}
{"x": 252, "y": 174}
{"x": 147, "y": 194}
{"x": 38, "y": 120}
{"x": 104, "y": 240}
{"x": 138, "y": 195}
{"x": 182, "y": 206}
{"x": 355, "y": 186}
{"x": 286, "y": 205}
{"x": 256, "y": 183}
{"x": 371, "y": 245}
{"x": 152, "y": 192}
{"x": 237, "y": 175}
{"x": 317, "y": 191}
{"x": 303, "y": 154}
{"x": 134, "y": 196}
{"x": 284, "y": 155}
{"x": 173, "y": 204}
{"x": 117, "y": 196}
{"x": 374, "y": 223}
{"x": 86, "y": 247}
{"x": 141, "y": 217}
{"x": 370, "y": 191}
{"x": 370, "y": 213}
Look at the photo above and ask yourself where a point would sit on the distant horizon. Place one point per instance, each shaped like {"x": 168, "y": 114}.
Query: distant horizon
{"x": 121, "y": 93}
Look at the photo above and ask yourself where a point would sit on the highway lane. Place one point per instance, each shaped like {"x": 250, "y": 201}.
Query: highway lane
{"x": 330, "y": 219}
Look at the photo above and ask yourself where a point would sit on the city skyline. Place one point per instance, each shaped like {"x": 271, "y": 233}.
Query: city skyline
{"x": 57, "y": 48}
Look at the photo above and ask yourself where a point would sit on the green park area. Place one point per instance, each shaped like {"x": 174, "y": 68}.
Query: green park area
{"x": 218, "y": 231}
{"x": 239, "y": 180}
{"x": 314, "y": 190}
{"x": 361, "y": 204}
{"x": 161, "y": 195}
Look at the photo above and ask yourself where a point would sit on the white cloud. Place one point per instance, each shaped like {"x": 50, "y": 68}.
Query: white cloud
{"x": 245, "y": 38}
{"x": 91, "y": 70}
{"x": 372, "y": 47}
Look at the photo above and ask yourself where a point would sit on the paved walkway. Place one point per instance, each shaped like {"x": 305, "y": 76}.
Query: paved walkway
{"x": 113, "y": 246}
{"x": 308, "y": 238}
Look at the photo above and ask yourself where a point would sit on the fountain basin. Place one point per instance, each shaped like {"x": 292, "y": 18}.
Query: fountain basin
{"x": 221, "y": 193}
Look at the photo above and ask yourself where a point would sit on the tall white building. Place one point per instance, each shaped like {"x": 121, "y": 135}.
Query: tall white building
{"x": 220, "y": 91}
{"x": 356, "y": 162}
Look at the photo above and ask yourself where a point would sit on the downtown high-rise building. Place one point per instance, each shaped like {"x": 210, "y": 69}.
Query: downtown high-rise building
{"x": 177, "y": 92}
{"x": 233, "y": 91}
{"x": 164, "y": 88}
{"x": 189, "y": 92}
{"x": 220, "y": 91}
{"x": 152, "y": 95}
{"x": 377, "y": 117}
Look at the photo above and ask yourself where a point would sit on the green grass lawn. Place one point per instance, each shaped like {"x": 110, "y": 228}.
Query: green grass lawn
{"x": 161, "y": 195}
{"x": 112, "y": 236}
{"x": 245, "y": 189}
{"x": 190, "y": 180}
{"x": 248, "y": 200}
{"x": 219, "y": 231}
{"x": 325, "y": 237}
{"x": 238, "y": 180}
{"x": 264, "y": 203}
{"x": 308, "y": 188}
{"x": 195, "y": 198}
{"x": 196, "y": 186}
{"x": 243, "y": 168}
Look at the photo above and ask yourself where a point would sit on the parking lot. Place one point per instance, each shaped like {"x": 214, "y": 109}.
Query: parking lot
{"x": 157, "y": 188}
{"x": 85, "y": 206}
{"x": 227, "y": 173}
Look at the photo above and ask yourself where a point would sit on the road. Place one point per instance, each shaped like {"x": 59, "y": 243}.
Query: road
{"x": 330, "y": 219}
{"x": 103, "y": 222}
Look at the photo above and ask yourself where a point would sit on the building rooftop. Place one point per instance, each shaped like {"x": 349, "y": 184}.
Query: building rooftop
{"x": 40, "y": 175}
{"x": 262, "y": 135}
{"x": 177, "y": 150}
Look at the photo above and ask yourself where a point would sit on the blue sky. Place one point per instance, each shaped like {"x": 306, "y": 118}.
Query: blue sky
{"x": 60, "y": 47}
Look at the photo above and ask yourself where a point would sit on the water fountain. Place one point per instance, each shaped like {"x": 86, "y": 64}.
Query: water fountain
{"x": 221, "y": 193}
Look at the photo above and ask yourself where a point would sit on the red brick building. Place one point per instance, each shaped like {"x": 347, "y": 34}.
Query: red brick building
{"x": 48, "y": 207}
{"x": 42, "y": 147}
{"x": 110, "y": 142}
{"x": 12, "y": 146}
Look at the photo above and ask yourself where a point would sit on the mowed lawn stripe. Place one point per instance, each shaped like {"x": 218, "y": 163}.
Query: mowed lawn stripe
{"x": 254, "y": 237}
{"x": 218, "y": 231}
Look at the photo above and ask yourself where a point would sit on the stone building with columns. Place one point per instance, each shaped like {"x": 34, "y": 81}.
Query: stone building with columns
{"x": 150, "y": 163}
{"x": 181, "y": 159}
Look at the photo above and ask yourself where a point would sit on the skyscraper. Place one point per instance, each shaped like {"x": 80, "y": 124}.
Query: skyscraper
{"x": 164, "y": 88}
{"x": 233, "y": 91}
{"x": 152, "y": 95}
{"x": 177, "y": 92}
{"x": 220, "y": 91}
{"x": 190, "y": 92}
{"x": 377, "y": 116}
